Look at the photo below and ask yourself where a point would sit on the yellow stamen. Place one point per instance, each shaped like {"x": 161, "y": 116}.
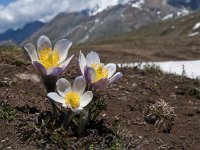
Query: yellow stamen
{"x": 73, "y": 99}
{"x": 49, "y": 58}
{"x": 100, "y": 72}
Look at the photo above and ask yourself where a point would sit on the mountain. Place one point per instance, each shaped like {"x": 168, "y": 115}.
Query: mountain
{"x": 80, "y": 27}
{"x": 185, "y": 27}
{"x": 19, "y": 35}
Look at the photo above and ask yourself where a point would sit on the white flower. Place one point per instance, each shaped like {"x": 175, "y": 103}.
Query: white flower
{"x": 46, "y": 60}
{"x": 72, "y": 97}
{"x": 95, "y": 72}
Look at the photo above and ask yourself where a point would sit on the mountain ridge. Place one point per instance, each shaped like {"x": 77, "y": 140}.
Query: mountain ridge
{"x": 117, "y": 19}
{"x": 19, "y": 35}
{"x": 91, "y": 24}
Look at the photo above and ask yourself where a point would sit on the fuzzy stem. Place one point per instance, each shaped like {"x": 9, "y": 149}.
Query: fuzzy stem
{"x": 83, "y": 122}
{"x": 50, "y": 84}
{"x": 55, "y": 109}
{"x": 67, "y": 119}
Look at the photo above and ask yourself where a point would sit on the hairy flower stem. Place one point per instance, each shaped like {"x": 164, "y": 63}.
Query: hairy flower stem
{"x": 83, "y": 122}
{"x": 67, "y": 119}
{"x": 55, "y": 109}
{"x": 50, "y": 84}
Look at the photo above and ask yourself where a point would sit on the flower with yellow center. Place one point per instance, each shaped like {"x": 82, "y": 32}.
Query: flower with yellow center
{"x": 100, "y": 72}
{"x": 48, "y": 60}
{"x": 72, "y": 97}
{"x": 95, "y": 72}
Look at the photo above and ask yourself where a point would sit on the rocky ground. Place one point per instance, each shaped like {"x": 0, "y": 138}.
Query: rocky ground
{"x": 135, "y": 116}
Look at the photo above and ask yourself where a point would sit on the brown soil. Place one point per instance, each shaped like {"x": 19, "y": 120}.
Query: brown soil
{"x": 133, "y": 49}
{"x": 126, "y": 107}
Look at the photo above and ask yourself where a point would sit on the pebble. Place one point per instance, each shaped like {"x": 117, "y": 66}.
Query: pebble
{"x": 32, "y": 77}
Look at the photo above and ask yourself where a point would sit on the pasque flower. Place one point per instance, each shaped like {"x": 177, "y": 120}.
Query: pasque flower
{"x": 72, "y": 97}
{"x": 48, "y": 60}
{"x": 95, "y": 72}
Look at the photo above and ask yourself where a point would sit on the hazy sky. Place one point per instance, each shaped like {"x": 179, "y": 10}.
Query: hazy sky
{"x": 16, "y": 13}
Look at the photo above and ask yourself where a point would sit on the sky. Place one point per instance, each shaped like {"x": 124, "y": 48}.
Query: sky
{"x": 16, "y": 13}
{"x": 5, "y": 2}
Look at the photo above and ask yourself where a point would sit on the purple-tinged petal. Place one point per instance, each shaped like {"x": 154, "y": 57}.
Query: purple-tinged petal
{"x": 116, "y": 77}
{"x": 89, "y": 74}
{"x": 40, "y": 68}
{"x": 77, "y": 110}
{"x": 100, "y": 84}
{"x": 54, "y": 71}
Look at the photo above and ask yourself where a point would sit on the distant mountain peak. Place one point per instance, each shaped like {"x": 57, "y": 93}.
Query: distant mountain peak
{"x": 20, "y": 35}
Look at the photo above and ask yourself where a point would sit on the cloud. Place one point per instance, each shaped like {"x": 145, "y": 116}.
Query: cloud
{"x": 20, "y": 12}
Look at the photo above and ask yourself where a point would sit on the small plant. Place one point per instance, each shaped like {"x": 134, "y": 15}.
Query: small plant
{"x": 49, "y": 62}
{"x": 153, "y": 68}
{"x": 161, "y": 115}
{"x": 183, "y": 71}
{"x": 7, "y": 112}
{"x": 76, "y": 105}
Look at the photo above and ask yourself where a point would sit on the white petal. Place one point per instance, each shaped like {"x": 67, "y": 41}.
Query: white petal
{"x": 82, "y": 62}
{"x": 92, "y": 58}
{"x": 54, "y": 96}
{"x": 62, "y": 46}
{"x": 86, "y": 98}
{"x": 79, "y": 85}
{"x": 43, "y": 43}
{"x": 66, "y": 62}
{"x": 111, "y": 69}
{"x": 63, "y": 86}
{"x": 31, "y": 51}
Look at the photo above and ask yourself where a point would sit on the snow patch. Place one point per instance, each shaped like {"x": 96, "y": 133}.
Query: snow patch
{"x": 193, "y": 34}
{"x": 158, "y": 12}
{"x": 196, "y": 26}
{"x": 169, "y": 16}
{"x": 187, "y": 68}
{"x": 138, "y": 4}
{"x": 183, "y": 12}
{"x": 96, "y": 20}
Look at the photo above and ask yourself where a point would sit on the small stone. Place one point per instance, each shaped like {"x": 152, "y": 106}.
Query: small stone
{"x": 104, "y": 115}
{"x": 134, "y": 85}
{"x": 32, "y": 77}
{"x": 124, "y": 98}
{"x": 116, "y": 118}
{"x": 129, "y": 122}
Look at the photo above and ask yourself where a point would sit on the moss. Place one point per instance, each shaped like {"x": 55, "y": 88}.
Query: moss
{"x": 7, "y": 112}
